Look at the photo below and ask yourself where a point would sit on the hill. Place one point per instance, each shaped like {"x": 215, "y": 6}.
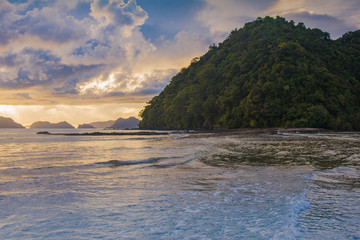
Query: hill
{"x": 46, "y": 125}
{"x": 122, "y": 123}
{"x": 9, "y": 123}
{"x": 270, "y": 73}
{"x": 85, "y": 126}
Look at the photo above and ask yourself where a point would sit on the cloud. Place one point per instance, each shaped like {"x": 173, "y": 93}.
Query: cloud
{"x": 173, "y": 54}
{"x": 50, "y": 25}
{"x": 110, "y": 13}
{"x": 168, "y": 17}
{"x": 334, "y": 16}
{"x": 8, "y": 60}
{"x": 6, "y": 12}
{"x": 223, "y": 16}
{"x": 36, "y": 67}
{"x": 103, "y": 53}
{"x": 127, "y": 83}
{"x": 324, "y": 22}
{"x": 87, "y": 50}
{"x": 46, "y": 24}
{"x": 24, "y": 95}
{"x": 42, "y": 45}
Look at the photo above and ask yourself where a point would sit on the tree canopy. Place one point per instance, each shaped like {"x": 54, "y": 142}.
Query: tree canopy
{"x": 270, "y": 73}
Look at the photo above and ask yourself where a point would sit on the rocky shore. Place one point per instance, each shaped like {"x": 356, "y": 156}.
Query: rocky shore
{"x": 256, "y": 131}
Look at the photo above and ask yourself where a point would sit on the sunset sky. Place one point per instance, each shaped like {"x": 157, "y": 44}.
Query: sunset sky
{"x": 95, "y": 60}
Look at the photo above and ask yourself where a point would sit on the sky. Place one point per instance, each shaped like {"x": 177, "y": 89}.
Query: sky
{"x": 95, "y": 60}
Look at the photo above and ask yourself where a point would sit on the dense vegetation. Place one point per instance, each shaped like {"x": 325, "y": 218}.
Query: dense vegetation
{"x": 270, "y": 73}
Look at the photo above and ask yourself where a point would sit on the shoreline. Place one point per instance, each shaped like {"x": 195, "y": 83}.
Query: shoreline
{"x": 104, "y": 133}
{"x": 257, "y": 131}
{"x": 198, "y": 133}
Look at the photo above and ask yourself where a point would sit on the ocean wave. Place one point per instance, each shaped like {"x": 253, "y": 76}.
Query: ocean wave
{"x": 144, "y": 138}
{"x": 173, "y": 164}
{"x": 292, "y": 228}
{"x": 338, "y": 178}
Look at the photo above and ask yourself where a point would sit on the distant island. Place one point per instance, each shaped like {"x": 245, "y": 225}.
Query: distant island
{"x": 102, "y": 125}
{"x": 48, "y": 125}
{"x": 82, "y": 126}
{"x": 9, "y": 123}
{"x": 120, "y": 123}
{"x": 270, "y": 73}
{"x": 128, "y": 123}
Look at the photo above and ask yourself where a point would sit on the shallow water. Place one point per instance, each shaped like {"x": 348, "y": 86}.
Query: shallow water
{"x": 283, "y": 186}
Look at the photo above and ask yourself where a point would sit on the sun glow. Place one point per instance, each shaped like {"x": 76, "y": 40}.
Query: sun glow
{"x": 115, "y": 82}
{"x": 99, "y": 85}
{"x": 135, "y": 82}
{"x": 8, "y": 110}
{"x": 73, "y": 114}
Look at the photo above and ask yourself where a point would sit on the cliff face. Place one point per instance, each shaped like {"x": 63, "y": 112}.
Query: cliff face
{"x": 46, "y": 125}
{"x": 270, "y": 73}
{"x": 9, "y": 123}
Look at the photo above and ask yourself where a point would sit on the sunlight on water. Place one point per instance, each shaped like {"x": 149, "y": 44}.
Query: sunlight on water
{"x": 293, "y": 186}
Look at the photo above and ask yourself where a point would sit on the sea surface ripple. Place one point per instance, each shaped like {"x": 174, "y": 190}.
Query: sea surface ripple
{"x": 176, "y": 186}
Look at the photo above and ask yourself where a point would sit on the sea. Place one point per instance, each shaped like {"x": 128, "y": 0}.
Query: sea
{"x": 179, "y": 185}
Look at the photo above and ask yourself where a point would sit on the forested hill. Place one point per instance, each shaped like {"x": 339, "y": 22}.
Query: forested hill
{"x": 270, "y": 73}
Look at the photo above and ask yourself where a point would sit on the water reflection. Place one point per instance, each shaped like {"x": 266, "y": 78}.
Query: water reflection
{"x": 234, "y": 187}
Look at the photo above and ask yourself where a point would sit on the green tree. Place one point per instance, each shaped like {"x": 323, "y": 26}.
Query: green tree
{"x": 270, "y": 73}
